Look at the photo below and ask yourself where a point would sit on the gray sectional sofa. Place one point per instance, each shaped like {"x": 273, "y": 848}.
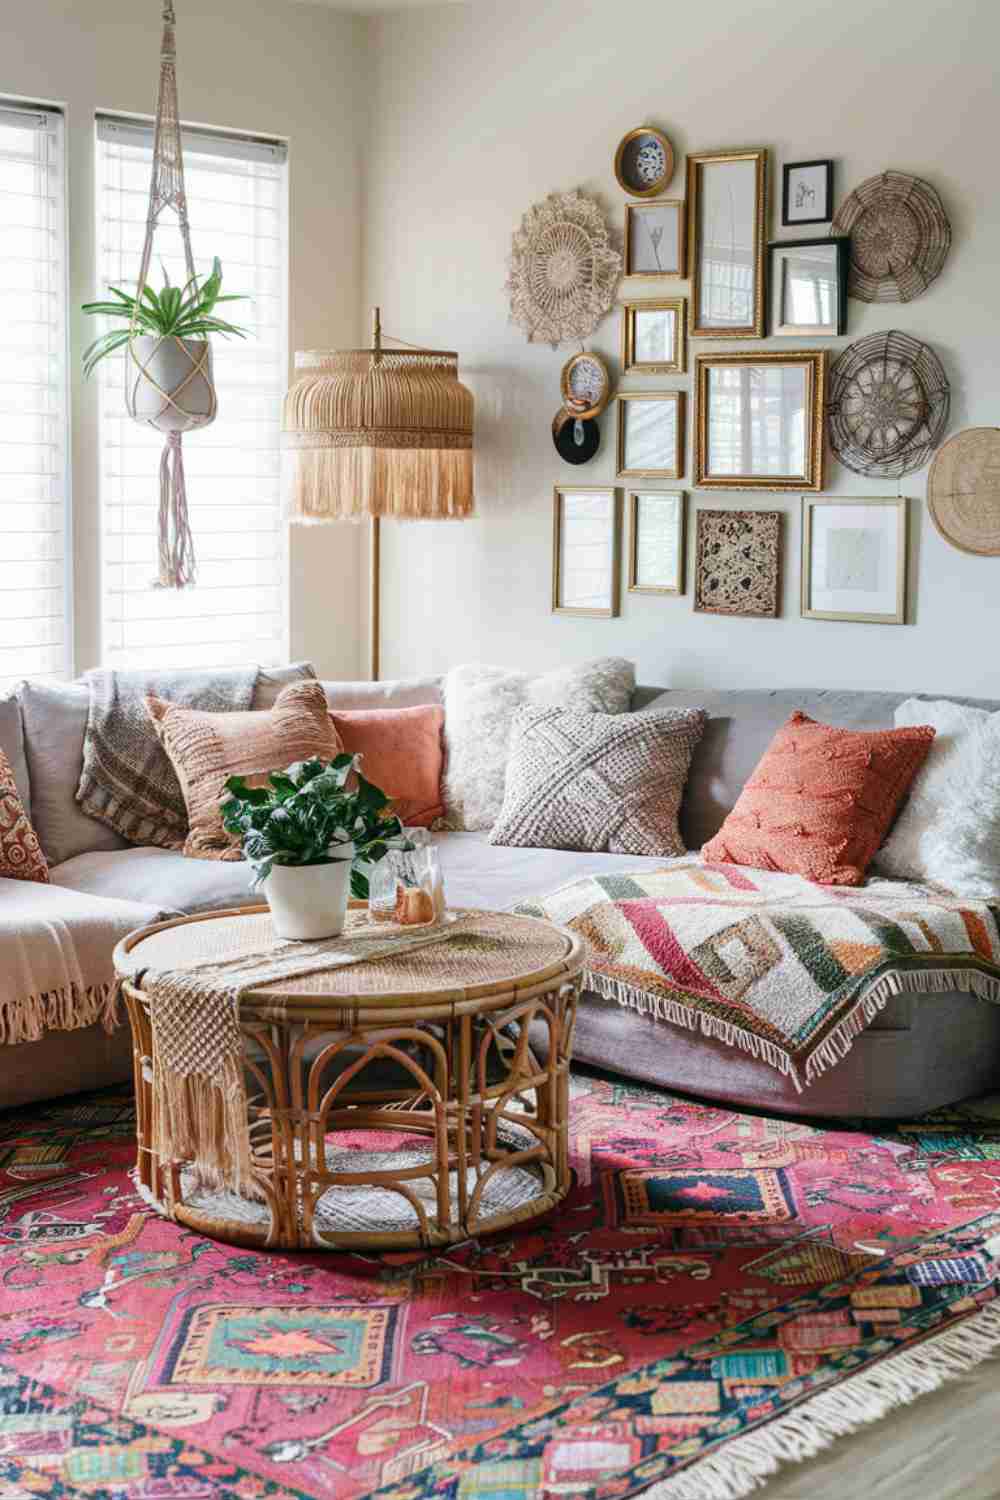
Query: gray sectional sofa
{"x": 922, "y": 1051}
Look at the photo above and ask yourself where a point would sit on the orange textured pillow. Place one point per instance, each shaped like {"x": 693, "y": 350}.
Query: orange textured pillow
{"x": 207, "y": 748}
{"x": 403, "y": 755}
{"x": 821, "y": 800}
{"x": 21, "y": 856}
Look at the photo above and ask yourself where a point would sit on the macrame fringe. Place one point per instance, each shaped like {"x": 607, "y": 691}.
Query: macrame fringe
{"x": 176, "y": 545}
{"x": 745, "y": 1463}
{"x": 204, "y": 1120}
{"x": 834, "y": 1047}
{"x": 338, "y": 484}
{"x": 67, "y": 1009}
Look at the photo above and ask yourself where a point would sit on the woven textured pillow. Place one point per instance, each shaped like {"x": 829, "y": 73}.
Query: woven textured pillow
{"x": 821, "y": 800}
{"x": 402, "y": 753}
{"x": 21, "y": 856}
{"x": 207, "y": 748}
{"x": 599, "y": 782}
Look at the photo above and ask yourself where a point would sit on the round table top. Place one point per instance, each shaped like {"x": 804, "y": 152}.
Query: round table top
{"x": 485, "y": 953}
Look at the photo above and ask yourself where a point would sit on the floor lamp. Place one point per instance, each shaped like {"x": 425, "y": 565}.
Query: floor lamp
{"x": 378, "y": 433}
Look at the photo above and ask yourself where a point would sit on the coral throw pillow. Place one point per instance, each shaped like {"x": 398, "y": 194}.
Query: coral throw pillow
{"x": 821, "y": 800}
{"x": 403, "y": 754}
{"x": 205, "y": 749}
{"x": 21, "y": 856}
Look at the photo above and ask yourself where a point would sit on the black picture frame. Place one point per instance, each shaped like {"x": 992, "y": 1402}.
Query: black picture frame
{"x": 786, "y": 182}
{"x": 842, "y": 244}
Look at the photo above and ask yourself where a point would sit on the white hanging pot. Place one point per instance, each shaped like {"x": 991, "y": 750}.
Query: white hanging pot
{"x": 168, "y": 382}
{"x": 310, "y": 901}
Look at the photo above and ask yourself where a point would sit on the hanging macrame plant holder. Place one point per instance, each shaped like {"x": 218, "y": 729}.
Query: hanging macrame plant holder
{"x": 168, "y": 380}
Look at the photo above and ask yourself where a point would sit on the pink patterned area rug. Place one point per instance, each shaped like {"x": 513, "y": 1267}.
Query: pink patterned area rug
{"x": 720, "y": 1291}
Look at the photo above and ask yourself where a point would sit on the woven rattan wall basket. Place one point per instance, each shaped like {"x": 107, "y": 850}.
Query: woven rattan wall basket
{"x": 888, "y": 406}
{"x": 963, "y": 491}
{"x": 900, "y": 237}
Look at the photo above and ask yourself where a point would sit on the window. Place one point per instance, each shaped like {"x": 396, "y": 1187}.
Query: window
{"x": 34, "y": 509}
{"x": 237, "y": 609}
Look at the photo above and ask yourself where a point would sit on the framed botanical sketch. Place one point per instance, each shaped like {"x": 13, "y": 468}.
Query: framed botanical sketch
{"x": 759, "y": 420}
{"x": 644, "y": 162}
{"x": 655, "y": 238}
{"x": 586, "y": 550}
{"x": 807, "y": 281}
{"x": 738, "y": 563}
{"x": 653, "y": 337}
{"x": 807, "y": 192}
{"x": 727, "y": 212}
{"x": 854, "y": 558}
{"x": 651, "y": 434}
{"x": 656, "y": 541}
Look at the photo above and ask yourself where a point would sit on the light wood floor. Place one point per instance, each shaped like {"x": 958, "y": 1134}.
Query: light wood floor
{"x": 945, "y": 1446}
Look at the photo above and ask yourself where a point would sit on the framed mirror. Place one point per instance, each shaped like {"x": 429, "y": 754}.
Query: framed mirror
{"x": 656, "y": 543}
{"x": 655, "y": 238}
{"x": 651, "y": 434}
{"x": 808, "y": 287}
{"x": 759, "y": 420}
{"x": 653, "y": 337}
{"x": 586, "y": 544}
{"x": 727, "y": 207}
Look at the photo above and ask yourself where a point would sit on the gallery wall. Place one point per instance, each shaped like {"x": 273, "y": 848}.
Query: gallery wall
{"x": 268, "y": 67}
{"x": 479, "y": 111}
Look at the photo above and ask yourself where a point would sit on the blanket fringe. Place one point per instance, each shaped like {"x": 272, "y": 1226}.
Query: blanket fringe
{"x": 69, "y": 1008}
{"x": 745, "y": 1463}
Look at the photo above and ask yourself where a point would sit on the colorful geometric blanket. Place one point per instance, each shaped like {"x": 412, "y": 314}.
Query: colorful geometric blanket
{"x": 784, "y": 969}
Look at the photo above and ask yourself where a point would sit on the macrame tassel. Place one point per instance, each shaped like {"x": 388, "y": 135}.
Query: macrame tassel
{"x": 177, "y": 568}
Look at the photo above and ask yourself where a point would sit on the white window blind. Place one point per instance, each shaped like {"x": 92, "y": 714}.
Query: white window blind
{"x": 237, "y": 610}
{"x": 34, "y": 510}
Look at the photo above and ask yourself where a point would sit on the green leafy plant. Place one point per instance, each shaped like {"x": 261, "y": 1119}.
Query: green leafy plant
{"x": 304, "y": 812}
{"x": 186, "y": 312}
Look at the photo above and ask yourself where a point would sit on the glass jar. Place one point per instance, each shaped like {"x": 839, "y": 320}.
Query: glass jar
{"x": 406, "y": 886}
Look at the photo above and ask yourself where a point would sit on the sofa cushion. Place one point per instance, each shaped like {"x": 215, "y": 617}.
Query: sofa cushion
{"x": 479, "y": 874}
{"x": 160, "y": 877}
{"x": 12, "y": 745}
{"x": 55, "y": 722}
{"x": 404, "y": 692}
{"x": 402, "y": 752}
{"x": 21, "y": 856}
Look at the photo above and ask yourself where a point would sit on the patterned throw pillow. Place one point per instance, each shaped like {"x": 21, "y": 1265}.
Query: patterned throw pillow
{"x": 820, "y": 801}
{"x": 21, "y": 856}
{"x": 599, "y": 782}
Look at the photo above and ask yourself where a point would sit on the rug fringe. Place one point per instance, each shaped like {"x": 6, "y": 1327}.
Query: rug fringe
{"x": 65, "y": 1009}
{"x": 745, "y": 1463}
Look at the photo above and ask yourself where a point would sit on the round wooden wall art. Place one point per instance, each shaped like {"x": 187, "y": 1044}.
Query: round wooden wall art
{"x": 963, "y": 491}
{"x": 644, "y": 162}
{"x": 888, "y": 405}
{"x": 900, "y": 237}
{"x": 585, "y": 384}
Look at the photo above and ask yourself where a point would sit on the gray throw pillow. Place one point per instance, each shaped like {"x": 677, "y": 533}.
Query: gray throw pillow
{"x": 605, "y": 783}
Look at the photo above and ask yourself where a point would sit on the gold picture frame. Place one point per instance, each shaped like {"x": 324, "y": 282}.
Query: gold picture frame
{"x": 647, "y": 226}
{"x": 862, "y": 562}
{"x": 631, "y": 340}
{"x": 666, "y": 444}
{"x": 629, "y": 170}
{"x": 591, "y": 571}
{"x": 678, "y": 498}
{"x": 736, "y": 216}
{"x": 729, "y": 462}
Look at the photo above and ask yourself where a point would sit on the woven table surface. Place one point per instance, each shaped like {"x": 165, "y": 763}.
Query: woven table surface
{"x": 486, "y": 951}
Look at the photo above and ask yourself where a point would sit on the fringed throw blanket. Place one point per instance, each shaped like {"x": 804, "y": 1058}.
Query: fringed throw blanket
{"x": 199, "y": 1089}
{"x": 770, "y": 963}
{"x": 127, "y": 780}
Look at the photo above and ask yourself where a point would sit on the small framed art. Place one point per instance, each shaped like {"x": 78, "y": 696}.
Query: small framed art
{"x": 653, "y": 337}
{"x": 651, "y": 434}
{"x": 656, "y": 238}
{"x": 656, "y": 541}
{"x": 854, "y": 558}
{"x": 808, "y": 282}
{"x": 644, "y": 162}
{"x": 807, "y": 192}
{"x": 586, "y": 550}
{"x": 759, "y": 420}
{"x": 738, "y": 563}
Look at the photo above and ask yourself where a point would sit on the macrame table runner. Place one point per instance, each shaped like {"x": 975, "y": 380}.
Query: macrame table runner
{"x": 199, "y": 1089}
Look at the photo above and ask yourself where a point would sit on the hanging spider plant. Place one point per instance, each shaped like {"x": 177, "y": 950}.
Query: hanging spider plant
{"x": 183, "y": 312}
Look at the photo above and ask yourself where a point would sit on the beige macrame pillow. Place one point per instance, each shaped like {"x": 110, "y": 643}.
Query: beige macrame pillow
{"x": 205, "y": 749}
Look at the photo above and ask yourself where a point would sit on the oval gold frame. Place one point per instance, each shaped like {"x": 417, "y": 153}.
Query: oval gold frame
{"x": 669, "y": 155}
{"x": 567, "y": 394}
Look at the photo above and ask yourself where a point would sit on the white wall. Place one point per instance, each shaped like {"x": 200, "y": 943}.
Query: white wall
{"x": 297, "y": 71}
{"x": 480, "y": 110}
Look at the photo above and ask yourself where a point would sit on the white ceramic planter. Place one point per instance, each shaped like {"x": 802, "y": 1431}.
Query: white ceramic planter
{"x": 169, "y": 363}
{"x": 309, "y": 902}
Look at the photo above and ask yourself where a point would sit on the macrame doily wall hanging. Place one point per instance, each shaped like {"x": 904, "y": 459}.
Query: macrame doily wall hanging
{"x": 888, "y": 406}
{"x": 563, "y": 269}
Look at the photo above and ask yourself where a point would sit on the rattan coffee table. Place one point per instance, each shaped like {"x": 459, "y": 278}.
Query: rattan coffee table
{"x": 397, "y": 1102}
